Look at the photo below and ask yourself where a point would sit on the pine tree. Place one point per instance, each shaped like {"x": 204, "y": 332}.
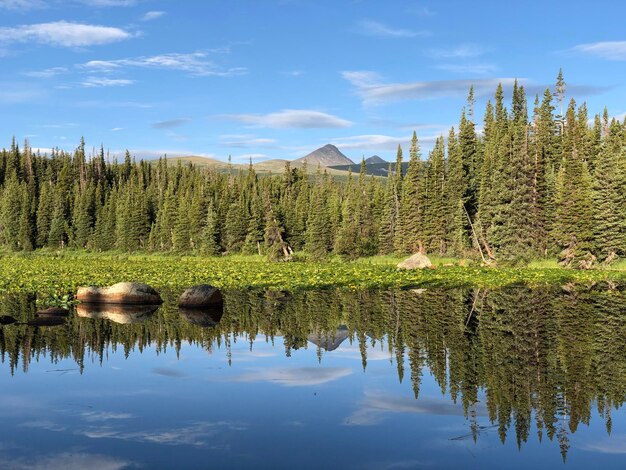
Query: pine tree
{"x": 318, "y": 236}
{"x": 409, "y": 238}
{"x": 391, "y": 209}
{"x": 573, "y": 227}
{"x": 235, "y": 226}
{"x": 10, "y": 213}
{"x": 516, "y": 242}
{"x": 609, "y": 196}
{"x": 434, "y": 220}
{"x": 209, "y": 242}
{"x": 455, "y": 190}
{"x": 468, "y": 146}
{"x": 44, "y": 214}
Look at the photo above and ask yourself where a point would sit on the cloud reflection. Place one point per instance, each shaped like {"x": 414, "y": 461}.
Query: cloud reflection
{"x": 66, "y": 461}
{"x": 295, "y": 377}
{"x": 196, "y": 434}
{"x": 609, "y": 445}
{"x": 376, "y": 405}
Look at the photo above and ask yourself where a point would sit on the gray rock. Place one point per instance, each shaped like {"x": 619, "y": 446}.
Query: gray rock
{"x": 417, "y": 261}
{"x": 128, "y": 293}
{"x": 203, "y": 295}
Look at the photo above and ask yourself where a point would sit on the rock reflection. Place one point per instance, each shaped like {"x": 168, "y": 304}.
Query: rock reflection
{"x": 122, "y": 314}
{"x": 206, "y": 317}
{"x": 46, "y": 321}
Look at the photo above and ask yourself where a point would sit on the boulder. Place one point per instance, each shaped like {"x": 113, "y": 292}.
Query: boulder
{"x": 123, "y": 314}
{"x": 53, "y": 312}
{"x": 129, "y": 293}
{"x": 203, "y": 295}
{"x": 417, "y": 261}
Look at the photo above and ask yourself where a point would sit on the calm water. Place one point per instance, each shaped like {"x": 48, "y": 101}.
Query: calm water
{"x": 375, "y": 380}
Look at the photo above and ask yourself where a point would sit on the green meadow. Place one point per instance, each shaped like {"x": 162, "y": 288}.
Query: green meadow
{"x": 62, "y": 273}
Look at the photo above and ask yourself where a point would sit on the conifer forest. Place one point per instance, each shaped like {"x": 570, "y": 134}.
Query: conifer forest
{"x": 533, "y": 178}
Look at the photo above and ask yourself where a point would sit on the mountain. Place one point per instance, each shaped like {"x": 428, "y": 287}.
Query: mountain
{"x": 374, "y": 159}
{"x": 328, "y": 155}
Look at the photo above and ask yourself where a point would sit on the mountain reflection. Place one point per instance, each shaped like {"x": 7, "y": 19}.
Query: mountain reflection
{"x": 542, "y": 356}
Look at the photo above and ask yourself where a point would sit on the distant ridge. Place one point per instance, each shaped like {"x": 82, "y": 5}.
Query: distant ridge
{"x": 328, "y": 155}
{"x": 374, "y": 159}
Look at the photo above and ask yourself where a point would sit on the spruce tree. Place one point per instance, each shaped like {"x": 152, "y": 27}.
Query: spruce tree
{"x": 455, "y": 190}
{"x": 209, "y": 242}
{"x": 409, "y": 238}
{"x": 609, "y": 197}
{"x": 573, "y": 226}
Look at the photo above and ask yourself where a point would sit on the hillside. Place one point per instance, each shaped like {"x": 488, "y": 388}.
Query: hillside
{"x": 273, "y": 166}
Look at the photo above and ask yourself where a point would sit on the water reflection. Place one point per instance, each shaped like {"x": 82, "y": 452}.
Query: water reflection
{"x": 515, "y": 360}
{"x": 122, "y": 314}
{"x": 202, "y": 317}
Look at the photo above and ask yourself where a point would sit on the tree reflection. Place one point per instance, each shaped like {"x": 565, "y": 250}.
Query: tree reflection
{"x": 542, "y": 356}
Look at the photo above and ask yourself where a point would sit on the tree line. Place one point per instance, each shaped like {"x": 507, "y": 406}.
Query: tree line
{"x": 522, "y": 187}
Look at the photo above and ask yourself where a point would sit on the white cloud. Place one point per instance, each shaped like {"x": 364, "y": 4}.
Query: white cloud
{"x": 296, "y": 376}
{"x": 12, "y": 93}
{"x": 292, "y": 118}
{"x": 464, "y": 51}
{"x": 99, "y": 82}
{"x": 170, "y": 124}
{"x": 64, "y": 34}
{"x": 46, "y": 73}
{"x": 117, "y": 129}
{"x": 468, "y": 69}
{"x": 610, "y": 50}
{"x": 195, "y": 63}
{"x": 63, "y": 125}
{"x": 370, "y": 142}
{"x": 152, "y": 15}
{"x": 373, "y": 91}
{"x": 246, "y": 140}
{"x": 112, "y": 104}
{"x": 375, "y": 28}
{"x": 377, "y": 142}
{"x": 109, "y": 3}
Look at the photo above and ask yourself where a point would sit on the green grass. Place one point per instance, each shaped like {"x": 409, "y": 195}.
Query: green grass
{"x": 54, "y": 273}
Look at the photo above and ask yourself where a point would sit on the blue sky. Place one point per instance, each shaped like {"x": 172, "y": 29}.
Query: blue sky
{"x": 279, "y": 78}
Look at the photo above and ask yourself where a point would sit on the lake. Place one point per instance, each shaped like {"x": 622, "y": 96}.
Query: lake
{"x": 437, "y": 378}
